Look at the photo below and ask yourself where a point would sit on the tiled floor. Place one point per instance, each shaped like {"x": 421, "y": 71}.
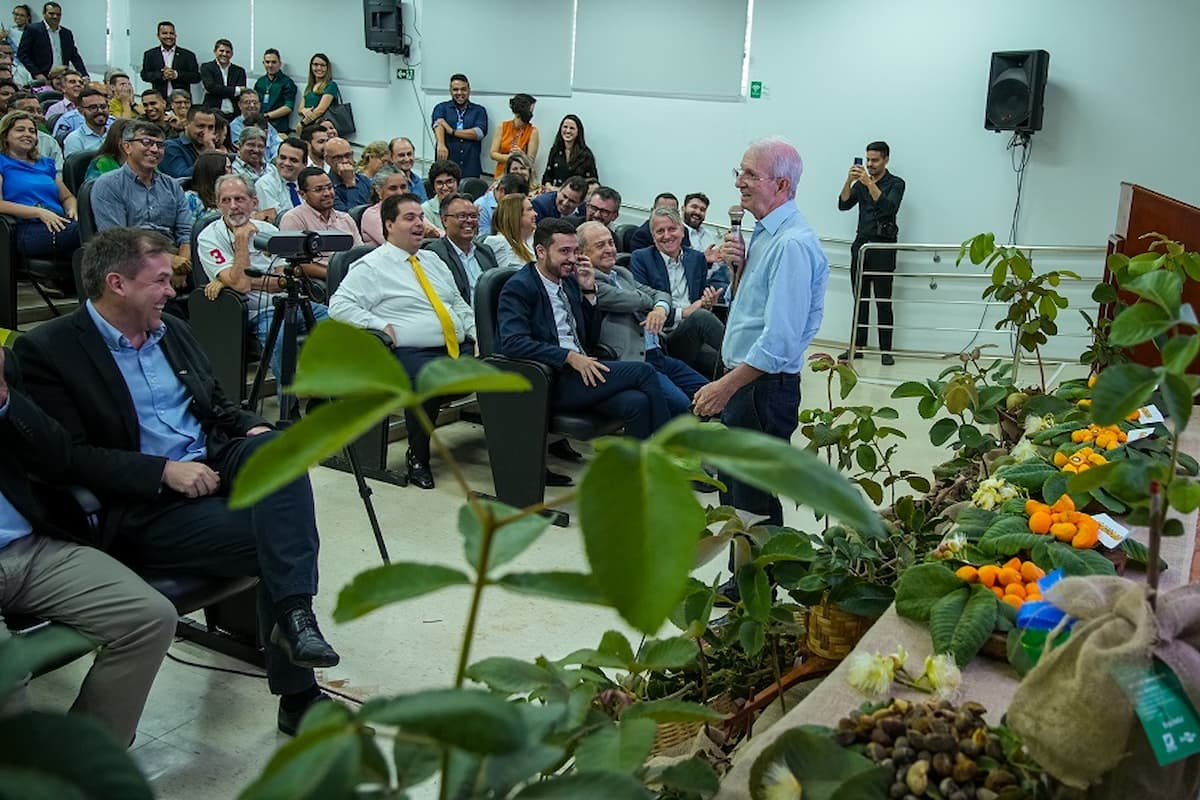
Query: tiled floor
{"x": 207, "y": 734}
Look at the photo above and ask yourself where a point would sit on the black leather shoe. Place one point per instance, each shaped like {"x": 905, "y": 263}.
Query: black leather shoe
{"x": 730, "y": 590}
{"x": 289, "y": 721}
{"x": 562, "y": 449}
{"x": 888, "y": 360}
{"x": 419, "y": 475}
{"x": 297, "y": 633}
{"x": 558, "y": 479}
{"x": 845, "y": 355}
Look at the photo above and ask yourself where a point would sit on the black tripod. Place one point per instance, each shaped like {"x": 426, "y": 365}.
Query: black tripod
{"x": 288, "y": 306}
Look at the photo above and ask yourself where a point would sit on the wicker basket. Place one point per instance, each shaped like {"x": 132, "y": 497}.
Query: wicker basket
{"x": 832, "y": 632}
{"x": 669, "y": 735}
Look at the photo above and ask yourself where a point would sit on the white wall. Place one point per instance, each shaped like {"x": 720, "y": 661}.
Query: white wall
{"x": 840, "y": 73}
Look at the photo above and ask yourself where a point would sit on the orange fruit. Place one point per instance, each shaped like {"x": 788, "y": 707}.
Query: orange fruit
{"x": 1031, "y": 572}
{"x": 1013, "y": 600}
{"x": 1015, "y": 588}
{"x": 1009, "y": 575}
{"x": 988, "y": 574}
{"x": 967, "y": 573}
{"x": 1085, "y": 540}
{"x": 1039, "y": 522}
{"x": 996, "y": 590}
{"x": 1033, "y": 506}
{"x": 1013, "y": 563}
{"x": 1063, "y": 531}
{"x": 1064, "y": 503}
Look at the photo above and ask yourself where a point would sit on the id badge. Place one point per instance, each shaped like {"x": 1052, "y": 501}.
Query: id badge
{"x": 459, "y": 125}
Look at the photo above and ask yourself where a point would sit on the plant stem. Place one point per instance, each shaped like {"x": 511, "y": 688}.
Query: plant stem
{"x": 775, "y": 671}
{"x": 444, "y": 452}
{"x": 538, "y": 508}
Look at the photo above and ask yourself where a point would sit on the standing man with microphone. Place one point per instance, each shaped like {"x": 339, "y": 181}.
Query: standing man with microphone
{"x": 778, "y": 285}
{"x": 877, "y": 193}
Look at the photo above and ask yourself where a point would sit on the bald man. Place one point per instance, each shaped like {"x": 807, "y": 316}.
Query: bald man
{"x": 350, "y": 188}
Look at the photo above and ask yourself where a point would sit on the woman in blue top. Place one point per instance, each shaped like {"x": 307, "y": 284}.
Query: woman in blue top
{"x": 31, "y": 191}
{"x": 320, "y": 93}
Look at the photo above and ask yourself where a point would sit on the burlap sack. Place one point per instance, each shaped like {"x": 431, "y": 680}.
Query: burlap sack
{"x": 1073, "y": 716}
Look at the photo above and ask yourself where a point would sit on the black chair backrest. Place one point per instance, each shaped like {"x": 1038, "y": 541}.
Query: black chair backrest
{"x": 621, "y": 236}
{"x": 623, "y": 259}
{"x": 206, "y": 219}
{"x": 48, "y": 99}
{"x": 75, "y": 167}
{"x": 487, "y": 301}
{"x": 474, "y": 187}
{"x": 83, "y": 207}
{"x": 356, "y": 214}
{"x": 429, "y": 189}
{"x": 51, "y": 120}
{"x": 340, "y": 263}
{"x": 185, "y": 182}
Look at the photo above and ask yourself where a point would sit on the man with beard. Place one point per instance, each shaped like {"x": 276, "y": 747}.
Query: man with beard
{"x": 96, "y": 121}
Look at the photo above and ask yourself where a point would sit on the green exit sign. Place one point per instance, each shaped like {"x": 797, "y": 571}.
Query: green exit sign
{"x": 755, "y": 89}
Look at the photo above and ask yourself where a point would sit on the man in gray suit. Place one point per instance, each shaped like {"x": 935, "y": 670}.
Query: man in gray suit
{"x": 467, "y": 260}
{"x": 633, "y": 318}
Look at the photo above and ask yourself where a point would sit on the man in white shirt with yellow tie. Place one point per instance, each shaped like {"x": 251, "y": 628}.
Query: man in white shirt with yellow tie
{"x": 410, "y": 295}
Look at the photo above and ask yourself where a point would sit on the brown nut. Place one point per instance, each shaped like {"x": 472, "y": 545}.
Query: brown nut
{"x": 964, "y": 769}
{"x": 917, "y": 778}
{"x": 999, "y": 780}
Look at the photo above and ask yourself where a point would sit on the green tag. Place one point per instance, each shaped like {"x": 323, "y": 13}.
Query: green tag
{"x": 1171, "y": 724}
{"x": 755, "y": 89}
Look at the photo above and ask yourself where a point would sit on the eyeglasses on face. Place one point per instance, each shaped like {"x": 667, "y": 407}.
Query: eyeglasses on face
{"x": 746, "y": 175}
{"x": 148, "y": 143}
{"x": 463, "y": 216}
{"x": 601, "y": 211}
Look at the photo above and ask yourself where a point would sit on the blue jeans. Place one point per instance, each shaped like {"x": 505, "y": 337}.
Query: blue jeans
{"x": 262, "y": 326}
{"x": 35, "y": 240}
{"x": 771, "y": 405}
{"x": 631, "y": 392}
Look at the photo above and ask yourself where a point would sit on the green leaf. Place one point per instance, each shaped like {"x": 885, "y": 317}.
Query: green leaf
{"x": 1009, "y": 536}
{"x": 416, "y": 762}
{"x": 576, "y": 587}
{"x": 640, "y": 523}
{"x": 590, "y": 786}
{"x": 1184, "y": 495}
{"x": 942, "y": 430}
{"x": 617, "y": 748}
{"x": 773, "y": 465}
{"x": 1075, "y": 562}
{"x": 392, "y": 583}
{"x": 1088, "y": 480}
{"x": 928, "y": 407}
{"x": 1139, "y": 323}
{"x": 507, "y": 542}
{"x": 1160, "y": 287}
{"x": 1057, "y": 485}
{"x": 756, "y": 591}
{"x": 865, "y": 456}
{"x": 970, "y": 436}
{"x": 1120, "y": 390}
{"x": 1177, "y": 401}
{"x": 752, "y": 636}
{"x": 911, "y": 389}
{"x": 469, "y": 719}
{"x": 1138, "y": 553}
{"x": 862, "y": 598}
{"x": 509, "y": 675}
{"x": 693, "y": 776}
{"x": 318, "y": 763}
{"x": 322, "y": 432}
{"x": 962, "y": 621}
{"x": 340, "y": 360}
{"x": 923, "y": 585}
{"x": 819, "y": 766}
{"x": 443, "y": 377}
{"x": 21, "y": 656}
{"x": 1180, "y": 351}
{"x": 1029, "y": 475}
{"x": 847, "y": 380}
{"x": 673, "y": 653}
{"x": 785, "y": 547}
{"x": 663, "y": 711}
{"x": 1104, "y": 293}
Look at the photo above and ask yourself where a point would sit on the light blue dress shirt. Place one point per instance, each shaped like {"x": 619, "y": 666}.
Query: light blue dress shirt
{"x": 781, "y": 297}
{"x": 239, "y": 124}
{"x": 13, "y": 526}
{"x": 167, "y": 426}
{"x": 487, "y": 207}
{"x": 470, "y": 264}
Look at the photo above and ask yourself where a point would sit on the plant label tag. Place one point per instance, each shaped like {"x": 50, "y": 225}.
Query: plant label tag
{"x": 1187, "y": 314}
{"x": 1137, "y": 434}
{"x": 1169, "y": 720}
{"x": 1112, "y": 533}
{"x": 1149, "y": 414}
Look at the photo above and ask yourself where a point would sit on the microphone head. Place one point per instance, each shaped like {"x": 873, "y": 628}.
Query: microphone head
{"x": 735, "y": 215}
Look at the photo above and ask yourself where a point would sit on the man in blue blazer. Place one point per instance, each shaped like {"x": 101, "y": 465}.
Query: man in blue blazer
{"x": 37, "y": 51}
{"x": 562, "y": 203}
{"x": 694, "y": 334}
{"x": 547, "y": 313}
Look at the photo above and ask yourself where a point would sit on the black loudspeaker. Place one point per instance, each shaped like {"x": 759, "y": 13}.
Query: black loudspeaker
{"x": 383, "y": 26}
{"x": 1016, "y": 89}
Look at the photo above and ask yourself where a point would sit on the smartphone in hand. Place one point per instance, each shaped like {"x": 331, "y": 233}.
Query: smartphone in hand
{"x": 858, "y": 162}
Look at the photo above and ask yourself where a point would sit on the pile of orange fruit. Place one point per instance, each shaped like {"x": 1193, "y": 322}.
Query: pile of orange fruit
{"x": 1063, "y": 522}
{"x": 1106, "y": 437}
{"x": 1081, "y": 460}
{"x": 1013, "y": 583}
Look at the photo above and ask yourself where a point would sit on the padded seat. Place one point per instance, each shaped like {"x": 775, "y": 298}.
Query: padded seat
{"x": 621, "y": 236}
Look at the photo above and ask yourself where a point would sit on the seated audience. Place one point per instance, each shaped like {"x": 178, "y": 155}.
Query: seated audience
{"x": 641, "y": 237}
{"x": 520, "y": 164}
{"x": 317, "y": 213}
{"x": 693, "y": 334}
{"x": 277, "y": 92}
{"x": 277, "y": 190}
{"x": 221, "y": 134}
{"x": 409, "y": 294}
{"x": 139, "y": 196}
{"x": 466, "y": 260}
{"x": 561, "y": 203}
{"x": 28, "y": 103}
{"x": 49, "y": 576}
{"x": 374, "y": 157}
{"x": 72, "y": 84}
{"x": 514, "y": 223}
{"x": 508, "y": 184}
{"x": 569, "y": 155}
{"x": 633, "y": 318}
{"x": 350, "y": 188}
{"x": 547, "y": 313}
{"x": 250, "y": 108}
{"x": 603, "y": 206}
{"x": 516, "y": 135}
{"x": 320, "y": 92}
{"x": 443, "y": 176}
{"x": 404, "y": 156}
{"x": 94, "y": 114}
{"x": 32, "y": 191}
{"x": 327, "y": 125}
{"x": 161, "y": 448}
{"x": 198, "y": 137}
{"x": 20, "y": 75}
{"x": 181, "y": 103}
{"x": 386, "y": 183}
{"x": 111, "y": 155}
{"x": 202, "y": 194}
{"x": 154, "y": 109}
{"x": 316, "y": 138}
{"x": 8, "y": 90}
{"x": 251, "y": 159}
{"x": 71, "y": 120}
{"x": 122, "y": 103}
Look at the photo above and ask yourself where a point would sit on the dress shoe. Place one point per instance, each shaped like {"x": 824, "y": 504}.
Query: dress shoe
{"x": 845, "y": 354}
{"x": 296, "y": 632}
{"x": 730, "y": 590}
{"x": 289, "y": 721}
{"x": 419, "y": 474}
{"x": 888, "y": 360}
{"x": 562, "y": 449}
{"x": 558, "y": 479}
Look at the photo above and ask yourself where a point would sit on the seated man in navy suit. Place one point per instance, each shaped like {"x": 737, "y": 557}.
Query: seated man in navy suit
{"x": 693, "y": 334}
{"x": 547, "y": 313}
{"x": 562, "y": 203}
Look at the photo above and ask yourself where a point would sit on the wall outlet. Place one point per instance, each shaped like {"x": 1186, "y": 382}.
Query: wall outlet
{"x": 406, "y": 74}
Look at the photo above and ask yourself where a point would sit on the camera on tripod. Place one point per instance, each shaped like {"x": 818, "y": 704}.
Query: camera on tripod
{"x": 302, "y": 245}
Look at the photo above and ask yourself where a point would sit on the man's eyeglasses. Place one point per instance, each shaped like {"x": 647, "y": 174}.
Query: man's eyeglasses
{"x": 94, "y": 108}
{"x": 463, "y": 216}
{"x": 600, "y": 211}
{"x": 148, "y": 143}
{"x": 746, "y": 175}
{"x": 328, "y": 187}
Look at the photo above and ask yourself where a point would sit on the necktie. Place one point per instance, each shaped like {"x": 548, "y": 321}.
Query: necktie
{"x": 295, "y": 194}
{"x": 562, "y": 298}
{"x": 438, "y": 308}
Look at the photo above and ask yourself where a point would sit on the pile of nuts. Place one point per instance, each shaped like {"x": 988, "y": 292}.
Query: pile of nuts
{"x": 934, "y": 750}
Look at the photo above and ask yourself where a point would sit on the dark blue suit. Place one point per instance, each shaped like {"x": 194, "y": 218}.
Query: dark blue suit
{"x": 544, "y": 205}
{"x": 37, "y": 54}
{"x": 696, "y": 340}
{"x": 527, "y": 330}
{"x": 648, "y": 267}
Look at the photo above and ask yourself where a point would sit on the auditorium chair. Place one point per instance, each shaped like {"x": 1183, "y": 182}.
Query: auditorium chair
{"x": 474, "y": 188}
{"x": 516, "y": 424}
{"x": 623, "y": 259}
{"x": 621, "y": 236}
{"x": 356, "y": 214}
{"x": 48, "y": 98}
{"x": 221, "y": 326}
{"x": 15, "y": 266}
{"x": 75, "y": 167}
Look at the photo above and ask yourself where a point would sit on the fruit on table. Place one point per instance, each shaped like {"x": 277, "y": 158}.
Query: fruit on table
{"x": 1063, "y": 522}
{"x": 1081, "y": 460}
{"x": 1014, "y": 582}
{"x": 1105, "y": 437}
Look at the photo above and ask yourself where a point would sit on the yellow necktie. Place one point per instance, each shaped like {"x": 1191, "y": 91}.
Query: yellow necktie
{"x": 439, "y": 308}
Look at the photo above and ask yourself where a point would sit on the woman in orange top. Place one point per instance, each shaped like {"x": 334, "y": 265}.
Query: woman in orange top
{"x": 516, "y": 135}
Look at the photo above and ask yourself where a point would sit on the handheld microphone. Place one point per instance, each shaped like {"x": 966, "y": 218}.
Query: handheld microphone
{"x": 735, "y": 228}
{"x": 735, "y": 219}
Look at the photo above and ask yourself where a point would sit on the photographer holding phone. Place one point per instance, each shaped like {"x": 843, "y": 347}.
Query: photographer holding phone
{"x": 877, "y": 193}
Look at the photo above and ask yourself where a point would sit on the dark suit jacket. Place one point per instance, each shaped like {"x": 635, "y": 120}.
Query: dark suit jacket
{"x": 73, "y": 377}
{"x": 184, "y": 63}
{"x": 526, "y": 320}
{"x": 37, "y": 55}
{"x": 215, "y": 88}
{"x": 642, "y": 238}
{"x": 545, "y": 207}
{"x": 647, "y": 267}
{"x": 483, "y": 254}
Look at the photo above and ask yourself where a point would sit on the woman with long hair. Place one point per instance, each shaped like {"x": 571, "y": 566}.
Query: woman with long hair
{"x": 374, "y": 156}
{"x": 31, "y": 191}
{"x": 110, "y": 155}
{"x": 202, "y": 196}
{"x": 569, "y": 155}
{"x": 512, "y": 226}
{"x": 320, "y": 92}
{"x": 516, "y": 135}
{"x": 521, "y": 164}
